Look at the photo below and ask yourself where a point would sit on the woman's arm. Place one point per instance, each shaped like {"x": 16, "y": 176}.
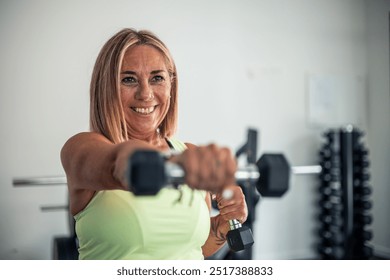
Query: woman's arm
{"x": 91, "y": 163}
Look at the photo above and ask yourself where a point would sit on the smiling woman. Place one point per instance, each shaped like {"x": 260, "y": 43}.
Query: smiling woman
{"x": 115, "y": 71}
{"x": 134, "y": 106}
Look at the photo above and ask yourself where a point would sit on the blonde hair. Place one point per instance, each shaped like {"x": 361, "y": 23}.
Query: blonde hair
{"x": 106, "y": 111}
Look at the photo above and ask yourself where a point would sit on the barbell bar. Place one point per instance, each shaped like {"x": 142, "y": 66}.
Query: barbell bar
{"x": 39, "y": 181}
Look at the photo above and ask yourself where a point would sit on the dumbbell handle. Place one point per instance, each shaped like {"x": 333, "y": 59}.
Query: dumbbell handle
{"x": 175, "y": 173}
{"x": 234, "y": 224}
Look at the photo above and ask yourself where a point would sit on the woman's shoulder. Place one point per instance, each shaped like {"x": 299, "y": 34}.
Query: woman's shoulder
{"x": 87, "y": 136}
{"x": 81, "y": 141}
{"x": 83, "y": 138}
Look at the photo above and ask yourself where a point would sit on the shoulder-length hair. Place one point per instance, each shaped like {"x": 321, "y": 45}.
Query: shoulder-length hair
{"x": 106, "y": 111}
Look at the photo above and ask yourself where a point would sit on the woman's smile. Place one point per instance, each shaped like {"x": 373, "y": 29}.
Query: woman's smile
{"x": 144, "y": 110}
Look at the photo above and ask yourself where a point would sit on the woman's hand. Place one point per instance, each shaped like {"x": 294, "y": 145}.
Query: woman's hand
{"x": 230, "y": 208}
{"x": 233, "y": 205}
{"x": 209, "y": 168}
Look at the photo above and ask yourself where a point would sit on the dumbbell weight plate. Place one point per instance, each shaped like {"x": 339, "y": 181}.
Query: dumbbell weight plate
{"x": 274, "y": 175}
{"x": 240, "y": 239}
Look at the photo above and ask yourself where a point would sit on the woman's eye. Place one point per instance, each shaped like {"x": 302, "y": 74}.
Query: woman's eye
{"x": 157, "y": 79}
{"x": 129, "y": 80}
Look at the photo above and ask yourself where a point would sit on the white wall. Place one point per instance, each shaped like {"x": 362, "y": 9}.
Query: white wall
{"x": 241, "y": 63}
{"x": 379, "y": 118}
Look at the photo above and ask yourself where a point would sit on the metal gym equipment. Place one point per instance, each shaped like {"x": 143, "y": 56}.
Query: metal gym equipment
{"x": 345, "y": 191}
{"x": 63, "y": 247}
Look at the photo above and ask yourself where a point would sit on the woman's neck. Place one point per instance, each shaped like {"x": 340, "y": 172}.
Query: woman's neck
{"x": 155, "y": 139}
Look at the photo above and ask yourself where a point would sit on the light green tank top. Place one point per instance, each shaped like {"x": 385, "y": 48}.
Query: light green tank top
{"x": 118, "y": 225}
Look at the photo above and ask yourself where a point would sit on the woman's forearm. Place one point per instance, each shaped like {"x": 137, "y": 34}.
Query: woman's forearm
{"x": 217, "y": 236}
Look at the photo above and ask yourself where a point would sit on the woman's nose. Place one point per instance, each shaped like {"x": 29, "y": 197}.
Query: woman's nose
{"x": 144, "y": 92}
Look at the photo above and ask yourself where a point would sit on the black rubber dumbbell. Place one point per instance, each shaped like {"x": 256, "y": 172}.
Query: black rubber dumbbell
{"x": 239, "y": 237}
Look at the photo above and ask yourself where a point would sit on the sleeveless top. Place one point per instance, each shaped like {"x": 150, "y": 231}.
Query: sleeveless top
{"x": 174, "y": 224}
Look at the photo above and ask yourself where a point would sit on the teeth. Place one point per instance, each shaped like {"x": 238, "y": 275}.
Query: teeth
{"x": 144, "y": 111}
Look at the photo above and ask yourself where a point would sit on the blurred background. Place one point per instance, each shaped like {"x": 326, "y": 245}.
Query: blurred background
{"x": 291, "y": 69}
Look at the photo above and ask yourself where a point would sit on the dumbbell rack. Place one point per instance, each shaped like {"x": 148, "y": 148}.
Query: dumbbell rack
{"x": 344, "y": 196}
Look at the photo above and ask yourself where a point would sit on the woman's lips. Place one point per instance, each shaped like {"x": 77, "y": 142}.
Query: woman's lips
{"x": 144, "y": 110}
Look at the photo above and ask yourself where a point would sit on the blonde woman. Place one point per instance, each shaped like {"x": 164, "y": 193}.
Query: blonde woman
{"x": 133, "y": 105}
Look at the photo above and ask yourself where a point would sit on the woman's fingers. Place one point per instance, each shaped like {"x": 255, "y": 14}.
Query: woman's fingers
{"x": 208, "y": 167}
{"x": 232, "y": 205}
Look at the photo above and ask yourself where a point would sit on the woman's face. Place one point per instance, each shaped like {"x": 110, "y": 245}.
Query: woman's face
{"x": 145, "y": 87}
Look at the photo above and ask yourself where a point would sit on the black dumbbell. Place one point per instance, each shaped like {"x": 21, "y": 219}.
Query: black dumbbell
{"x": 149, "y": 171}
{"x": 363, "y": 204}
{"x": 365, "y": 235}
{"x": 331, "y": 219}
{"x": 329, "y": 205}
{"x": 332, "y": 237}
{"x": 328, "y": 190}
{"x": 332, "y": 252}
{"x": 364, "y": 219}
{"x": 239, "y": 237}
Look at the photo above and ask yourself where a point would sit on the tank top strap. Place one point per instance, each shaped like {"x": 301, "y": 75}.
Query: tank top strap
{"x": 176, "y": 144}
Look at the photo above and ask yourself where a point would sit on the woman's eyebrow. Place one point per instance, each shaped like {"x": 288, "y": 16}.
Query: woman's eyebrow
{"x": 128, "y": 72}
{"x": 156, "y": 71}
